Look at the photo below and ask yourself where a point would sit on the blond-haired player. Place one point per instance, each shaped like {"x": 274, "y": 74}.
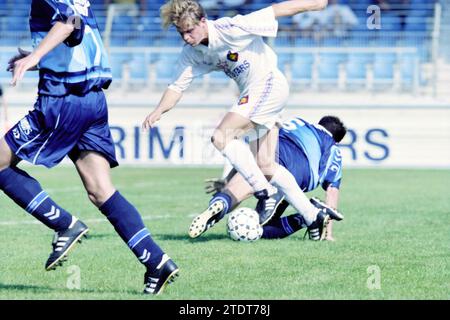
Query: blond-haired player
{"x": 235, "y": 45}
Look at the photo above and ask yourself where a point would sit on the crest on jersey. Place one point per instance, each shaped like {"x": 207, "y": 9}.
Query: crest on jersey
{"x": 82, "y": 7}
{"x": 243, "y": 100}
{"x": 232, "y": 56}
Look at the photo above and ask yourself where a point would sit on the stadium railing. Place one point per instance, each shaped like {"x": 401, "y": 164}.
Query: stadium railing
{"x": 400, "y": 57}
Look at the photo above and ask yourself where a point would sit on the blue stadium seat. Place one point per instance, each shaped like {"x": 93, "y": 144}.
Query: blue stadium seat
{"x": 301, "y": 72}
{"x": 302, "y": 67}
{"x": 139, "y": 66}
{"x": 332, "y": 42}
{"x": 390, "y": 21}
{"x": 333, "y": 57}
{"x": 356, "y": 71}
{"x": 362, "y": 22}
{"x": 409, "y": 68}
{"x": 304, "y": 42}
{"x": 17, "y": 23}
{"x": 4, "y": 58}
{"x": 165, "y": 68}
{"x": 362, "y": 57}
{"x": 356, "y": 67}
{"x": 283, "y": 60}
{"x": 416, "y": 40}
{"x": 283, "y": 40}
{"x": 414, "y": 23}
{"x": 154, "y": 4}
{"x": 303, "y": 57}
{"x": 141, "y": 40}
{"x": 123, "y": 23}
{"x": 357, "y": 39}
{"x": 383, "y": 69}
{"x": 117, "y": 61}
{"x": 328, "y": 70}
{"x": 388, "y": 57}
{"x": 9, "y": 40}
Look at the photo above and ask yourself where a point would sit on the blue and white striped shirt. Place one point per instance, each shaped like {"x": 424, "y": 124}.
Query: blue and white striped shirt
{"x": 78, "y": 65}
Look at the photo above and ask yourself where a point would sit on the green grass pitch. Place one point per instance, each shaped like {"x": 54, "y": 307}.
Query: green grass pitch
{"x": 397, "y": 222}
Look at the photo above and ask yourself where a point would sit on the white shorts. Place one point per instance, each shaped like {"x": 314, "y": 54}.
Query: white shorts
{"x": 263, "y": 103}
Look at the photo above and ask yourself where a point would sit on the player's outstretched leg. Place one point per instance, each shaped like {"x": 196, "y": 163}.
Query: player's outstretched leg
{"x": 128, "y": 223}
{"x": 218, "y": 207}
{"x": 282, "y": 227}
{"x": 28, "y": 194}
{"x": 242, "y": 158}
{"x": 94, "y": 170}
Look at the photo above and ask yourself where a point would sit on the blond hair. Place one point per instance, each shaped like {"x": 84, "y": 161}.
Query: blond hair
{"x": 177, "y": 12}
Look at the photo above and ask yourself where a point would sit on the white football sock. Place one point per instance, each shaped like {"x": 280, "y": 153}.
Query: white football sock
{"x": 285, "y": 182}
{"x": 242, "y": 159}
{"x": 227, "y": 167}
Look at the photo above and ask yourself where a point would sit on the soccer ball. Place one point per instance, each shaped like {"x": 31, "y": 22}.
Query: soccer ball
{"x": 243, "y": 225}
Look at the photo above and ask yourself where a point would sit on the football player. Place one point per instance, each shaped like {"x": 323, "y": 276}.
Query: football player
{"x": 70, "y": 117}
{"x": 311, "y": 154}
{"x": 236, "y": 47}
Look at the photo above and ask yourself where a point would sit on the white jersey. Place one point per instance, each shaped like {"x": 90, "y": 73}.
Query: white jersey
{"x": 236, "y": 47}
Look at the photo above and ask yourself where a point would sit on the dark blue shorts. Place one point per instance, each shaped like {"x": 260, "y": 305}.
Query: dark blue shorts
{"x": 294, "y": 160}
{"x": 60, "y": 126}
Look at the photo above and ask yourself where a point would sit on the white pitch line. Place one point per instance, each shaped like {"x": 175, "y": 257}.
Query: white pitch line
{"x": 97, "y": 220}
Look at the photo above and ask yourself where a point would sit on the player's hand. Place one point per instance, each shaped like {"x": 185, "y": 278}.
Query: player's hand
{"x": 151, "y": 119}
{"x": 23, "y": 65}
{"x": 22, "y": 54}
{"x": 214, "y": 185}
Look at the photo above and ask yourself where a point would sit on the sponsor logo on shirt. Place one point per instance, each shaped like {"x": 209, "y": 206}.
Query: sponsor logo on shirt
{"x": 16, "y": 133}
{"x": 232, "y": 56}
{"x": 82, "y": 7}
{"x": 236, "y": 72}
{"x": 24, "y": 125}
{"x": 243, "y": 100}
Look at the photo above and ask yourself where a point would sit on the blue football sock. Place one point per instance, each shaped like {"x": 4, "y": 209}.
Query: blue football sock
{"x": 225, "y": 198}
{"x": 129, "y": 225}
{"x": 28, "y": 194}
{"x": 283, "y": 227}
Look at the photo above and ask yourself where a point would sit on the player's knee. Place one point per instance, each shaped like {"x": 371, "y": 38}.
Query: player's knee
{"x": 98, "y": 195}
{"x": 267, "y": 167}
{"x": 94, "y": 197}
{"x": 218, "y": 141}
{"x": 7, "y": 158}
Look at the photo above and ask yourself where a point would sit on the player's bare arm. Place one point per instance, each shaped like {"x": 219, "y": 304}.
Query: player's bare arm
{"x": 57, "y": 34}
{"x": 169, "y": 100}
{"x": 293, "y": 7}
{"x": 332, "y": 198}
